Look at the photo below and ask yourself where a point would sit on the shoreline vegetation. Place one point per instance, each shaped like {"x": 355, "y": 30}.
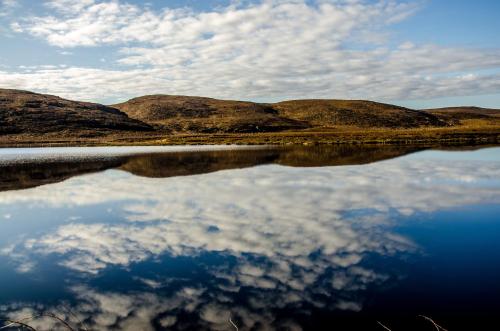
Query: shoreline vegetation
{"x": 35, "y": 120}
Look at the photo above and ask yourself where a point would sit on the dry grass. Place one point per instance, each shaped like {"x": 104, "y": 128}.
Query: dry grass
{"x": 23, "y": 323}
{"x": 471, "y": 131}
{"x": 434, "y": 324}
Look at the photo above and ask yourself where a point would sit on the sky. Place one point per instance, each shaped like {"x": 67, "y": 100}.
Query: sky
{"x": 420, "y": 54}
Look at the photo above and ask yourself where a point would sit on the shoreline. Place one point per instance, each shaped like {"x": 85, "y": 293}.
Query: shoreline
{"x": 419, "y": 136}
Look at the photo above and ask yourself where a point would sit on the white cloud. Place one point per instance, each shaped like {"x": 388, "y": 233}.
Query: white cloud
{"x": 271, "y": 49}
{"x": 69, "y": 6}
{"x": 7, "y": 6}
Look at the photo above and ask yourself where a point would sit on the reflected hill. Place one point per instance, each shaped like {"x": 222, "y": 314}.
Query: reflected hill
{"x": 28, "y": 175}
{"x": 193, "y": 163}
{"x": 15, "y": 176}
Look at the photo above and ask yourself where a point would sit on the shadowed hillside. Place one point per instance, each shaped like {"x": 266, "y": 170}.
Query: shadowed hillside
{"x": 26, "y": 112}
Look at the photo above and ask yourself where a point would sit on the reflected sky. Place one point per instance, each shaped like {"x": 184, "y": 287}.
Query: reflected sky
{"x": 273, "y": 247}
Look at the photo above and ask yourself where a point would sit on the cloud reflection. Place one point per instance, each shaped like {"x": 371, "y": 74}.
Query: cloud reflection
{"x": 297, "y": 237}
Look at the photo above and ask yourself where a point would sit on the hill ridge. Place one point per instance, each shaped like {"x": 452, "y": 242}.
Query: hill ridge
{"x": 165, "y": 116}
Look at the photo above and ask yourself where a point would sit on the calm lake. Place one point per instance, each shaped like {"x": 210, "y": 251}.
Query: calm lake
{"x": 226, "y": 238}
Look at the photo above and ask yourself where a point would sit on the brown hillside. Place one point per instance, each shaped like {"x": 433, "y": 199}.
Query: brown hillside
{"x": 27, "y": 112}
{"x": 197, "y": 114}
{"x": 462, "y": 115}
{"x": 354, "y": 113}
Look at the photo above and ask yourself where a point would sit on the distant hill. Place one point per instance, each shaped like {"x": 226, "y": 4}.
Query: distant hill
{"x": 196, "y": 114}
{"x": 456, "y": 115}
{"x": 465, "y": 112}
{"x": 27, "y": 112}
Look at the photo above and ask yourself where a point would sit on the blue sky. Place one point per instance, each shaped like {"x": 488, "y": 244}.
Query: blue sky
{"x": 425, "y": 53}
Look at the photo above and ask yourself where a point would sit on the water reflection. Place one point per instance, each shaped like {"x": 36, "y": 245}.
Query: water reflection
{"x": 19, "y": 172}
{"x": 272, "y": 247}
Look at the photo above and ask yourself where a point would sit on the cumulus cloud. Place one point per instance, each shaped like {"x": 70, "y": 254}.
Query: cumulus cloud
{"x": 91, "y": 23}
{"x": 265, "y": 50}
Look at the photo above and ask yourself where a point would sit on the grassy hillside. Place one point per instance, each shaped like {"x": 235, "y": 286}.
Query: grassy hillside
{"x": 26, "y": 112}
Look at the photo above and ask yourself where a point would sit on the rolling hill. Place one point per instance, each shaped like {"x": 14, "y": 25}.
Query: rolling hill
{"x": 358, "y": 113}
{"x": 31, "y": 118}
{"x": 32, "y": 113}
{"x": 196, "y": 114}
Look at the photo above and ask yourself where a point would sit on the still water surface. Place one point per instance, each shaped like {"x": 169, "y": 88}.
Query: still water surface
{"x": 309, "y": 238}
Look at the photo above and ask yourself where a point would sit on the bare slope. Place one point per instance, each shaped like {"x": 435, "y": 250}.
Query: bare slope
{"x": 196, "y": 114}
{"x": 27, "y": 112}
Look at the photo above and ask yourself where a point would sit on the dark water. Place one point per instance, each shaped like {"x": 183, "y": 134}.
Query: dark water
{"x": 310, "y": 238}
